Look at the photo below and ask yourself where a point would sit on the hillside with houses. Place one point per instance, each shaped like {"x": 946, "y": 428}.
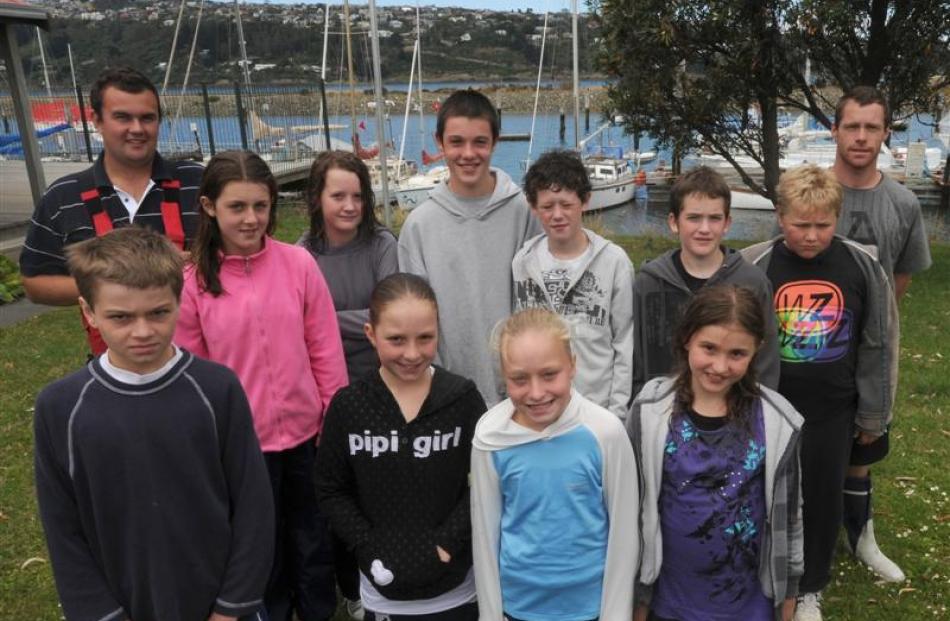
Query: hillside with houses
{"x": 285, "y": 41}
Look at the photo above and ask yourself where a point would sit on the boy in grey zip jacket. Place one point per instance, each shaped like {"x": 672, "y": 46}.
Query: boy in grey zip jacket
{"x": 659, "y": 296}
{"x": 699, "y": 216}
{"x": 781, "y": 558}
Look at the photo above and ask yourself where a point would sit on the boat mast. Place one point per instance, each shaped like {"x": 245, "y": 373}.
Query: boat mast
{"x": 405, "y": 120}
{"x": 537, "y": 90}
{"x": 422, "y": 118}
{"x": 380, "y": 128}
{"x": 577, "y": 103}
{"x": 323, "y": 64}
{"x": 171, "y": 55}
{"x": 243, "y": 44}
{"x": 349, "y": 66}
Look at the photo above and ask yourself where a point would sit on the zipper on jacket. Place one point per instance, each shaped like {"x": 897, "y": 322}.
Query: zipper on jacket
{"x": 247, "y": 265}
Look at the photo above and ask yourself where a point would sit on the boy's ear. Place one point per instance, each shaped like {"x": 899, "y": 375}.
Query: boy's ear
{"x": 438, "y": 140}
{"x": 671, "y": 222}
{"x": 87, "y": 312}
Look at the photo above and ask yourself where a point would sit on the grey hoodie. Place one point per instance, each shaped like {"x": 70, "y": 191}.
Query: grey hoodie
{"x": 782, "y": 550}
{"x": 659, "y": 298}
{"x": 466, "y": 256}
{"x": 598, "y": 306}
{"x": 877, "y": 352}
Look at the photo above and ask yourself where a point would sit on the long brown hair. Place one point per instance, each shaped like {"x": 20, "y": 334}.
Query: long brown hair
{"x": 224, "y": 168}
{"x": 323, "y": 164}
{"x": 719, "y": 305}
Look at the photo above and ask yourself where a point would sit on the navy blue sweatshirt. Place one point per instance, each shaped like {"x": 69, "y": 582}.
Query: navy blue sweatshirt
{"x": 393, "y": 490}
{"x": 154, "y": 498}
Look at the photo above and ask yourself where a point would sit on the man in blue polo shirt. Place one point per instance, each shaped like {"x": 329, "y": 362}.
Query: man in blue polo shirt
{"x": 130, "y": 183}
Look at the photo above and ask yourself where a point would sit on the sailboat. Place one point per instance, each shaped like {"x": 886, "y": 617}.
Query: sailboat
{"x": 413, "y": 189}
{"x": 610, "y": 176}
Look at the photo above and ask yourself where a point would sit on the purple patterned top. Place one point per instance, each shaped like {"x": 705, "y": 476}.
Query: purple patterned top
{"x": 712, "y": 513}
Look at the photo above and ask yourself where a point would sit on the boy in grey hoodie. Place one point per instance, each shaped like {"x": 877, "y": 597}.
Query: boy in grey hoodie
{"x": 699, "y": 216}
{"x": 463, "y": 237}
{"x": 581, "y": 276}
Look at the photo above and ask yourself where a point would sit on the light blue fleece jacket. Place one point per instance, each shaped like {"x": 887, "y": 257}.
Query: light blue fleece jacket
{"x": 554, "y": 516}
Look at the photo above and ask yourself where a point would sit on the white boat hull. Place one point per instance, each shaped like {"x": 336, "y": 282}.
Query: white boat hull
{"x": 750, "y": 200}
{"x": 611, "y": 194}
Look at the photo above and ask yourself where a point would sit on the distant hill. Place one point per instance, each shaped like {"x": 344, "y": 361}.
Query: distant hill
{"x": 285, "y": 42}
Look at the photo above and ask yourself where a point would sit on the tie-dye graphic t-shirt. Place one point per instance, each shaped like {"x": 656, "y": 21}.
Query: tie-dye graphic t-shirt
{"x": 819, "y": 304}
{"x": 712, "y": 514}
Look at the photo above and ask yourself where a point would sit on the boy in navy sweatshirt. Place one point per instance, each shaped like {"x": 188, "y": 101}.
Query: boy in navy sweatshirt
{"x": 151, "y": 485}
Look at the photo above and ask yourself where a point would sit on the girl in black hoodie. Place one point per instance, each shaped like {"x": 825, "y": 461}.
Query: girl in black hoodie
{"x": 392, "y": 468}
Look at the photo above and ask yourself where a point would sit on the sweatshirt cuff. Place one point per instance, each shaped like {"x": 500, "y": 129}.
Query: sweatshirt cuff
{"x": 237, "y": 609}
{"x": 871, "y": 422}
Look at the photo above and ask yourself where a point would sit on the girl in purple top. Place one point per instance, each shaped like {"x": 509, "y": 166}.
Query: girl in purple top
{"x": 719, "y": 458}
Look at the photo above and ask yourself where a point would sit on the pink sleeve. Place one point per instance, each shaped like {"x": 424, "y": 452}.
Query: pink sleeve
{"x": 188, "y": 333}
{"x": 322, "y": 335}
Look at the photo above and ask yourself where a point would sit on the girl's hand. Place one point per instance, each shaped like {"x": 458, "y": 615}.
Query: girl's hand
{"x": 220, "y": 617}
{"x": 444, "y": 556}
{"x": 641, "y": 613}
{"x": 788, "y": 609}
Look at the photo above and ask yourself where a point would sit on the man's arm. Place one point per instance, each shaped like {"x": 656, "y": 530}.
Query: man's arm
{"x": 54, "y": 290}
{"x": 901, "y": 284}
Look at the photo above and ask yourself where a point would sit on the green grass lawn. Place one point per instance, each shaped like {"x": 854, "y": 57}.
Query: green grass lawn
{"x": 913, "y": 512}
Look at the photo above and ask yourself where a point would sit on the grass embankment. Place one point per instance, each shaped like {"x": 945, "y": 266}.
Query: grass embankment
{"x": 913, "y": 513}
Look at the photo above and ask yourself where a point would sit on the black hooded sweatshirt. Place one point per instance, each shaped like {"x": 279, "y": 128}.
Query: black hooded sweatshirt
{"x": 393, "y": 490}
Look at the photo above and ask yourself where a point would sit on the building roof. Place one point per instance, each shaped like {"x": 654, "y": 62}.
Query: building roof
{"x": 20, "y": 12}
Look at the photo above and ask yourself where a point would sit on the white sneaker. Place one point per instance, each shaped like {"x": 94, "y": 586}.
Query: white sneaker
{"x": 870, "y": 554}
{"x": 354, "y": 608}
{"x": 808, "y": 607}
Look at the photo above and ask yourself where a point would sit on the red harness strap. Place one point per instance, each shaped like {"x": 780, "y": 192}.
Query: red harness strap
{"x": 102, "y": 223}
{"x": 171, "y": 213}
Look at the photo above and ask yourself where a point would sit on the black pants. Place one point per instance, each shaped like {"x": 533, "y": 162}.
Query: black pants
{"x": 302, "y": 579}
{"x": 465, "y": 612}
{"x": 825, "y": 450}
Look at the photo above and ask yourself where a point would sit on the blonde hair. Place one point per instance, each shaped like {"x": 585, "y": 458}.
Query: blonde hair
{"x": 133, "y": 257}
{"x": 808, "y": 189}
{"x": 539, "y": 319}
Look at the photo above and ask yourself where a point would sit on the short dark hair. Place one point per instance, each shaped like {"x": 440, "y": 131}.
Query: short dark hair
{"x": 322, "y": 165}
{"x": 704, "y": 181}
{"x": 472, "y": 105}
{"x": 395, "y": 287}
{"x": 863, "y": 96}
{"x": 125, "y": 79}
{"x": 557, "y": 170}
{"x": 131, "y": 256}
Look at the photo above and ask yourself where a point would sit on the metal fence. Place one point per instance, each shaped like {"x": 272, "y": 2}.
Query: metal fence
{"x": 282, "y": 123}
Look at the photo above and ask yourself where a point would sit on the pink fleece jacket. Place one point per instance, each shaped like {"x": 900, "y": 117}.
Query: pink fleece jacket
{"x": 275, "y": 327}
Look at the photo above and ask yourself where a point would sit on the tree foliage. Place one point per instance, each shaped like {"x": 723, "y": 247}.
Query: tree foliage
{"x": 902, "y": 47}
{"x": 713, "y": 74}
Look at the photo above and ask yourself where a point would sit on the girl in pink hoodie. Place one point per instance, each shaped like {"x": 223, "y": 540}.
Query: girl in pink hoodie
{"x": 262, "y": 308}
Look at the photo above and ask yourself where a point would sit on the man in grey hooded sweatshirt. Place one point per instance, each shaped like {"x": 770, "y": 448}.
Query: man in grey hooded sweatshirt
{"x": 464, "y": 236}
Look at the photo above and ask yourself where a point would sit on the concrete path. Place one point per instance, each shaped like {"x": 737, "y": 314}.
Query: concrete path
{"x": 21, "y": 310}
